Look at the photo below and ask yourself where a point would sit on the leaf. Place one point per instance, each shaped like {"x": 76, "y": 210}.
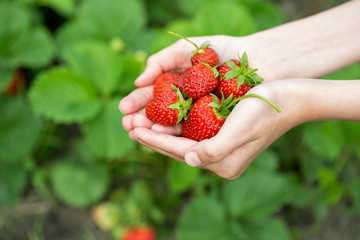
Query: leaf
{"x": 181, "y": 177}
{"x": 210, "y": 20}
{"x": 22, "y": 42}
{"x": 5, "y": 77}
{"x": 63, "y": 96}
{"x": 267, "y": 161}
{"x": 266, "y": 229}
{"x": 105, "y": 20}
{"x": 256, "y": 195}
{"x": 204, "y": 218}
{"x": 233, "y": 66}
{"x": 355, "y": 191}
{"x": 19, "y": 129}
{"x": 12, "y": 183}
{"x": 97, "y": 62}
{"x": 324, "y": 139}
{"x": 231, "y": 74}
{"x": 79, "y": 186}
{"x": 36, "y": 51}
{"x": 348, "y": 73}
{"x": 64, "y": 7}
{"x": 330, "y": 185}
{"x": 105, "y": 133}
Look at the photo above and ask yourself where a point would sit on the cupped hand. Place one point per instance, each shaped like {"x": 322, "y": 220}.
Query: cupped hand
{"x": 250, "y": 128}
{"x": 175, "y": 57}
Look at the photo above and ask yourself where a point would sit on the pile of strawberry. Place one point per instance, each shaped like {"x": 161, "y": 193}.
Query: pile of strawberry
{"x": 203, "y": 95}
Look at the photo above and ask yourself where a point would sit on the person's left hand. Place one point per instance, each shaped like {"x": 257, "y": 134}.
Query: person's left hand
{"x": 251, "y": 127}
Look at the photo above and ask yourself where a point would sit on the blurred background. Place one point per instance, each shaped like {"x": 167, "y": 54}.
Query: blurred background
{"x": 69, "y": 171}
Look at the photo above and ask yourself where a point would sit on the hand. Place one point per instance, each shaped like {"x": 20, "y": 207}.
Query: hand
{"x": 251, "y": 127}
{"x": 174, "y": 57}
{"x": 253, "y": 124}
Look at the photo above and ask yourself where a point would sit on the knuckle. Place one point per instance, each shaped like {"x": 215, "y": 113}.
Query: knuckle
{"x": 213, "y": 154}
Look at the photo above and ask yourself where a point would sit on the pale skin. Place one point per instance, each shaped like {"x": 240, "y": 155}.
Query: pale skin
{"x": 290, "y": 58}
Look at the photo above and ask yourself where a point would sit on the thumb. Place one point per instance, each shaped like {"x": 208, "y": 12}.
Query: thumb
{"x": 206, "y": 152}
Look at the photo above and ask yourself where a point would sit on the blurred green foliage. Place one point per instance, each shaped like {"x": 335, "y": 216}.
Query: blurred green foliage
{"x": 61, "y": 134}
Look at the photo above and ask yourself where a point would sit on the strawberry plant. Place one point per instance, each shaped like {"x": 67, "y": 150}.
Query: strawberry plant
{"x": 64, "y": 66}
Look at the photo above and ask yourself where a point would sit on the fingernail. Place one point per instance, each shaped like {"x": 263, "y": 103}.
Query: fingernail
{"x": 192, "y": 159}
{"x": 139, "y": 78}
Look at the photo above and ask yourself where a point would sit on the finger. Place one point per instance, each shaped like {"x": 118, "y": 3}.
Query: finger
{"x": 173, "y": 130}
{"x": 169, "y": 145}
{"x": 136, "y": 100}
{"x": 127, "y": 122}
{"x": 170, "y": 58}
{"x": 234, "y": 164}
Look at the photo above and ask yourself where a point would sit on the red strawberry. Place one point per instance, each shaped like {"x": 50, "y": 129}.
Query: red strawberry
{"x": 237, "y": 78}
{"x": 139, "y": 233}
{"x": 206, "y": 117}
{"x": 202, "y": 54}
{"x": 201, "y": 80}
{"x": 164, "y": 81}
{"x": 168, "y": 108}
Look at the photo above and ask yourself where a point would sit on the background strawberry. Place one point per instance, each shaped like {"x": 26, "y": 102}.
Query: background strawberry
{"x": 202, "y": 54}
{"x": 201, "y": 80}
{"x": 164, "y": 81}
{"x": 206, "y": 117}
{"x": 139, "y": 233}
{"x": 168, "y": 108}
{"x": 237, "y": 78}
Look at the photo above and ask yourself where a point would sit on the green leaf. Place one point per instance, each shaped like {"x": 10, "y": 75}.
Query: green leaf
{"x": 5, "y": 77}
{"x": 331, "y": 186}
{"x": 106, "y": 20}
{"x": 204, "y": 219}
{"x": 256, "y": 195}
{"x": 22, "y": 42}
{"x": 267, "y": 161}
{"x": 210, "y": 20}
{"x": 64, "y": 7}
{"x": 355, "y": 190}
{"x": 79, "y": 186}
{"x": 244, "y": 61}
{"x": 19, "y": 129}
{"x": 324, "y": 139}
{"x": 266, "y": 229}
{"x": 63, "y": 96}
{"x": 181, "y": 177}
{"x": 105, "y": 133}
{"x": 12, "y": 183}
{"x": 347, "y": 73}
{"x": 36, "y": 51}
{"x": 231, "y": 74}
{"x": 233, "y": 66}
{"x": 97, "y": 62}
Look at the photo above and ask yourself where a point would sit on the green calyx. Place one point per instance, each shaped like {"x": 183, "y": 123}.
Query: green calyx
{"x": 227, "y": 105}
{"x": 243, "y": 73}
{"x": 214, "y": 69}
{"x": 198, "y": 49}
{"x": 183, "y": 105}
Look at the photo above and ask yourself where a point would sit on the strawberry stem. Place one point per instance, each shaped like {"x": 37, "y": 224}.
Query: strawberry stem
{"x": 178, "y": 35}
{"x": 260, "y": 97}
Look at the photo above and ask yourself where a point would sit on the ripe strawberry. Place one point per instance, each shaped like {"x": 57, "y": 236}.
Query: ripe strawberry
{"x": 206, "y": 117}
{"x": 202, "y": 54}
{"x": 236, "y": 78}
{"x": 168, "y": 108}
{"x": 208, "y": 114}
{"x": 164, "y": 81}
{"x": 139, "y": 233}
{"x": 201, "y": 80}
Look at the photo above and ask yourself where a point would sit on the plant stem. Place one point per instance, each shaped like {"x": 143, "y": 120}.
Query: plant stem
{"x": 262, "y": 98}
{"x": 175, "y": 34}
